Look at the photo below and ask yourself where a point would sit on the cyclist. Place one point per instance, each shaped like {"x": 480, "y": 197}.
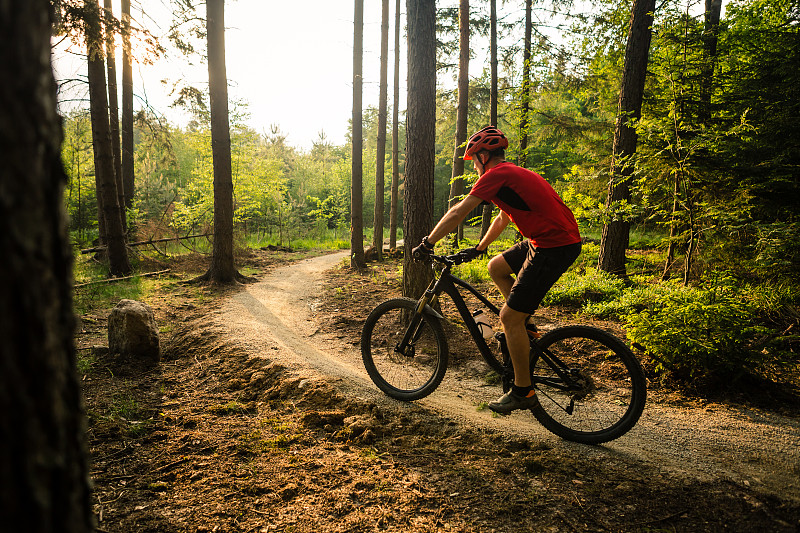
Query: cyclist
{"x": 526, "y": 271}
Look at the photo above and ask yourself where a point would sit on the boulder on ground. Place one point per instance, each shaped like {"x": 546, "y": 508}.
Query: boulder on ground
{"x": 132, "y": 331}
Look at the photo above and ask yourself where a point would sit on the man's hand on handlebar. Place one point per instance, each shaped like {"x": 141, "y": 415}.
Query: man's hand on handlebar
{"x": 423, "y": 252}
{"x": 469, "y": 254}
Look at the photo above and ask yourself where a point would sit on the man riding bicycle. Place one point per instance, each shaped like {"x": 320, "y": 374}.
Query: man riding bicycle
{"x": 526, "y": 271}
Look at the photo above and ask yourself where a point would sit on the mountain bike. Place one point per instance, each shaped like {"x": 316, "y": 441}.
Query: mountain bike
{"x": 589, "y": 385}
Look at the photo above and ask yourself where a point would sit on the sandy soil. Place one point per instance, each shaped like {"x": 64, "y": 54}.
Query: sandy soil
{"x": 709, "y": 442}
{"x": 260, "y": 418}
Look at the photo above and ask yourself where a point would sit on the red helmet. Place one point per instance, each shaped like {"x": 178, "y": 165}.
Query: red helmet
{"x": 489, "y": 138}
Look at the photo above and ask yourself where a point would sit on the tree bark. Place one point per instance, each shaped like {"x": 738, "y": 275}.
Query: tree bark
{"x": 616, "y": 232}
{"x": 127, "y": 106}
{"x": 222, "y": 264}
{"x": 45, "y": 473}
{"x": 377, "y": 226}
{"x": 105, "y": 179}
{"x": 113, "y": 111}
{"x": 420, "y": 139}
{"x": 486, "y": 218}
{"x": 395, "y": 132}
{"x": 357, "y": 259}
{"x": 526, "y": 87}
{"x": 710, "y": 38}
{"x": 456, "y": 179}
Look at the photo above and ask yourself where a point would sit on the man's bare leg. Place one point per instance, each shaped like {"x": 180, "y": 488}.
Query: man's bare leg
{"x": 501, "y": 275}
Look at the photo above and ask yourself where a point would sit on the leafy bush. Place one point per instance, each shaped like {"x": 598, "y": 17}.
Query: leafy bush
{"x": 639, "y": 296}
{"x": 709, "y": 333}
{"x": 576, "y": 289}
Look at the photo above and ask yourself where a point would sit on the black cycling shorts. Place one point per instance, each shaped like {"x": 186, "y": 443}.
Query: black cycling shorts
{"x": 537, "y": 270}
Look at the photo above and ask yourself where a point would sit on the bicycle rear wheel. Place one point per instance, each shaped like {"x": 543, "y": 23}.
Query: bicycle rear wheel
{"x": 418, "y": 371}
{"x": 611, "y": 388}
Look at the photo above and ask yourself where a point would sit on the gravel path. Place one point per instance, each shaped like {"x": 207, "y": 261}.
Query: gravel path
{"x": 758, "y": 449}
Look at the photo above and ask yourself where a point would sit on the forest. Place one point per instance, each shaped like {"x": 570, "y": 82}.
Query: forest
{"x": 706, "y": 200}
{"x": 671, "y": 131}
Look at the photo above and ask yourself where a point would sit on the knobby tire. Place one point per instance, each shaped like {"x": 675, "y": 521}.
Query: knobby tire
{"x": 613, "y": 391}
{"x": 409, "y": 376}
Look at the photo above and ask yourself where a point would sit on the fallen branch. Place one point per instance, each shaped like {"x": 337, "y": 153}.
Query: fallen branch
{"x": 151, "y": 241}
{"x": 109, "y": 280}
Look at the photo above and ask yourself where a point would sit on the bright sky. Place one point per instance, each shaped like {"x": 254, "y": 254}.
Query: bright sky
{"x": 292, "y": 62}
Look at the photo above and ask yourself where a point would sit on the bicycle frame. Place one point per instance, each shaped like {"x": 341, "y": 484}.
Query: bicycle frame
{"x": 448, "y": 283}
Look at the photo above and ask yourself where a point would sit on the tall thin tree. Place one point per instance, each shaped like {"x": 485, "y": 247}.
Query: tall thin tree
{"x": 420, "y": 139}
{"x": 486, "y": 218}
{"x": 526, "y": 87}
{"x": 45, "y": 473}
{"x": 357, "y": 259}
{"x": 377, "y": 226}
{"x": 395, "y": 132}
{"x": 710, "y": 39}
{"x": 105, "y": 179}
{"x": 113, "y": 106}
{"x": 127, "y": 106}
{"x": 456, "y": 178}
{"x": 616, "y": 232}
{"x": 222, "y": 268}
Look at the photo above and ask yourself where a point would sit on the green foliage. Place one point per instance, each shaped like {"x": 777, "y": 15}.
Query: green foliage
{"x": 574, "y": 289}
{"x": 104, "y": 295}
{"x": 711, "y": 333}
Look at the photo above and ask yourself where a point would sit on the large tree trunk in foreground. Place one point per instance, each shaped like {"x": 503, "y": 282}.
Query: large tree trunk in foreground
{"x": 420, "y": 139}
{"x": 45, "y": 473}
{"x": 357, "y": 259}
{"x": 222, "y": 266}
{"x": 616, "y": 233}
{"x": 105, "y": 176}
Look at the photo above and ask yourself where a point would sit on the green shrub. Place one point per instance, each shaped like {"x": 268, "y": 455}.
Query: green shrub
{"x": 639, "y": 296}
{"x": 574, "y": 288}
{"x": 708, "y": 333}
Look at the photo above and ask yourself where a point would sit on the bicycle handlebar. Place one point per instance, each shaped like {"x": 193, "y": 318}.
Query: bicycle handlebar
{"x": 454, "y": 259}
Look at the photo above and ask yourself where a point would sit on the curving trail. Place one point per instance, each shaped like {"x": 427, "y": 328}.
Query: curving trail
{"x": 276, "y": 317}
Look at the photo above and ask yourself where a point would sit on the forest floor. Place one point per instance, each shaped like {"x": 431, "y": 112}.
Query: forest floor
{"x": 260, "y": 418}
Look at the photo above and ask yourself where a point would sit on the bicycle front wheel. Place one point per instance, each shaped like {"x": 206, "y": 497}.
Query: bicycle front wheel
{"x": 604, "y": 394}
{"x": 418, "y": 370}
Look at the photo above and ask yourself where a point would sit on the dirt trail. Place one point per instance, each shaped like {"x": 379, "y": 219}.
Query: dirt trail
{"x": 758, "y": 449}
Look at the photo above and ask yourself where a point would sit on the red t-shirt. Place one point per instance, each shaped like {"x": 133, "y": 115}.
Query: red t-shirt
{"x": 538, "y": 211}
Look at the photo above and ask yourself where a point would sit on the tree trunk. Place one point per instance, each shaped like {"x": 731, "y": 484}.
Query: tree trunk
{"x": 457, "y": 181}
{"x": 357, "y": 259}
{"x": 105, "y": 179}
{"x": 113, "y": 111}
{"x": 420, "y": 139}
{"x": 526, "y": 87}
{"x": 395, "y": 131}
{"x": 616, "y": 232}
{"x": 222, "y": 265}
{"x": 127, "y": 106}
{"x": 710, "y": 38}
{"x": 673, "y": 227}
{"x": 45, "y": 474}
{"x": 486, "y": 218}
{"x": 377, "y": 226}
